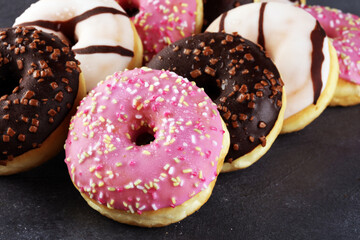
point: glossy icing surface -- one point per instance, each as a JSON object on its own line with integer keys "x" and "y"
{"x": 39, "y": 83}
{"x": 344, "y": 30}
{"x": 107, "y": 163}
{"x": 93, "y": 27}
{"x": 238, "y": 76}
{"x": 290, "y": 36}
{"x": 162, "y": 22}
{"x": 214, "y": 8}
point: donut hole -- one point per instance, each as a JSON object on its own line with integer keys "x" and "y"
{"x": 130, "y": 8}
{"x": 144, "y": 139}
{"x": 143, "y": 136}
{"x": 212, "y": 90}
{"x": 7, "y": 80}
{"x": 131, "y": 12}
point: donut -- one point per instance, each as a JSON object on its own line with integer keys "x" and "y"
{"x": 103, "y": 37}
{"x": 344, "y": 31}
{"x": 41, "y": 87}
{"x": 299, "y": 48}
{"x": 145, "y": 147}
{"x": 161, "y": 22}
{"x": 214, "y": 8}
{"x": 241, "y": 80}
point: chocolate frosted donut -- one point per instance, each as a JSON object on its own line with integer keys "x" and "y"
{"x": 241, "y": 80}
{"x": 214, "y": 8}
{"x": 40, "y": 82}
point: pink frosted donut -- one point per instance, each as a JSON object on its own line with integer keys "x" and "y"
{"x": 162, "y": 22}
{"x": 344, "y": 29}
{"x": 137, "y": 181}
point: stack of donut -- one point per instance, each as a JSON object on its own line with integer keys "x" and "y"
{"x": 146, "y": 145}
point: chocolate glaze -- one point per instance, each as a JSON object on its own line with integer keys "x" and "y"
{"x": 261, "y": 37}
{"x": 105, "y": 49}
{"x": 40, "y": 80}
{"x": 222, "y": 22}
{"x": 214, "y": 8}
{"x": 238, "y": 77}
{"x": 317, "y": 38}
{"x": 68, "y": 29}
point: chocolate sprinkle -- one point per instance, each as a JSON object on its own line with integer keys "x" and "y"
{"x": 34, "y": 68}
{"x": 248, "y": 94}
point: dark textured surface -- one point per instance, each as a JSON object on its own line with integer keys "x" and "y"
{"x": 38, "y": 95}
{"x": 306, "y": 187}
{"x": 242, "y": 90}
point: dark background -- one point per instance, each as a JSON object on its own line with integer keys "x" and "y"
{"x": 306, "y": 187}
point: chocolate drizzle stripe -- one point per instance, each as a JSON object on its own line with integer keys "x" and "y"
{"x": 317, "y": 38}
{"x": 105, "y": 49}
{"x": 68, "y": 27}
{"x": 222, "y": 22}
{"x": 261, "y": 37}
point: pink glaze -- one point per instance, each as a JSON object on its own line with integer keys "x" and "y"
{"x": 344, "y": 29}
{"x": 162, "y": 22}
{"x": 106, "y": 164}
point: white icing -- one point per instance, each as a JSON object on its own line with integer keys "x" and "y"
{"x": 287, "y": 31}
{"x": 102, "y": 29}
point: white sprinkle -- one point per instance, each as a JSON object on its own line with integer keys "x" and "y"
{"x": 154, "y": 206}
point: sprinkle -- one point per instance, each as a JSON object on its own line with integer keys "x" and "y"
{"x": 163, "y": 75}
{"x": 128, "y": 136}
{"x": 129, "y": 186}
{"x": 102, "y": 119}
{"x": 129, "y": 147}
{"x": 98, "y": 175}
{"x": 189, "y": 170}
{"x": 200, "y": 175}
{"x": 111, "y": 189}
{"x": 146, "y": 152}
{"x": 131, "y": 209}
{"x": 173, "y": 200}
{"x": 197, "y": 130}
{"x": 137, "y": 182}
{"x": 166, "y": 167}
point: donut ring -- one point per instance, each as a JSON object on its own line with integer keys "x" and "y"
{"x": 286, "y": 31}
{"x": 344, "y": 31}
{"x": 100, "y": 31}
{"x": 160, "y": 23}
{"x": 153, "y": 183}
{"x": 214, "y": 8}
{"x": 41, "y": 89}
{"x": 242, "y": 82}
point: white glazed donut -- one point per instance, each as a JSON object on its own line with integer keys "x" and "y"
{"x": 104, "y": 38}
{"x": 300, "y": 49}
